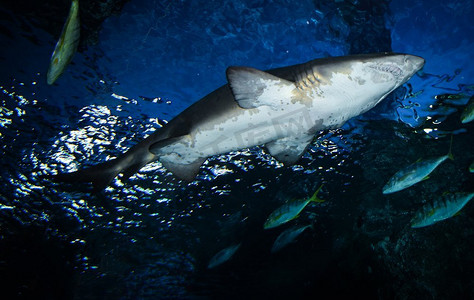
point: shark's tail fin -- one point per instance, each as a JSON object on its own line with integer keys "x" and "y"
{"x": 99, "y": 175}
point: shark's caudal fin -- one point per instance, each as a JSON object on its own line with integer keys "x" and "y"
{"x": 100, "y": 175}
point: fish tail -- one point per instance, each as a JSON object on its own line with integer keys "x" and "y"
{"x": 99, "y": 175}
{"x": 315, "y": 198}
{"x": 450, "y": 153}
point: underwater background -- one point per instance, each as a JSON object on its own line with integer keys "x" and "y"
{"x": 152, "y": 237}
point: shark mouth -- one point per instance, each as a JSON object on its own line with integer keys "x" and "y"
{"x": 388, "y": 68}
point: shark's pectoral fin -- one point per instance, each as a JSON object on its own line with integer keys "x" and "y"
{"x": 288, "y": 150}
{"x": 253, "y": 88}
{"x": 186, "y": 172}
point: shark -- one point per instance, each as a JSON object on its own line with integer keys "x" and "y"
{"x": 281, "y": 109}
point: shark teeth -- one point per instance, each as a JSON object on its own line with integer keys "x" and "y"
{"x": 389, "y": 68}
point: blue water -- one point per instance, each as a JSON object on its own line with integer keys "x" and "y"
{"x": 152, "y": 236}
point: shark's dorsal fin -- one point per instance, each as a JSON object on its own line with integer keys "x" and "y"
{"x": 253, "y": 88}
{"x": 288, "y": 150}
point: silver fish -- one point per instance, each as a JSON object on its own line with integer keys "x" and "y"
{"x": 289, "y": 210}
{"x": 414, "y": 173}
{"x": 67, "y": 44}
{"x": 468, "y": 113}
{"x": 223, "y": 256}
{"x": 448, "y": 206}
{"x": 287, "y": 237}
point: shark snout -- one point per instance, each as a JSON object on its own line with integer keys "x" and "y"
{"x": 415, "y": 61}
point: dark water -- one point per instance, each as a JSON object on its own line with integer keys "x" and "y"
{"x": 152, "y": 236}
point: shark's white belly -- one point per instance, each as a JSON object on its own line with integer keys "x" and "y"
{"x": 279, "y": 116}
{"x": 247, "y": 128}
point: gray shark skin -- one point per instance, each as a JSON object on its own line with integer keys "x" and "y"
{"x": 280, "y": 108}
